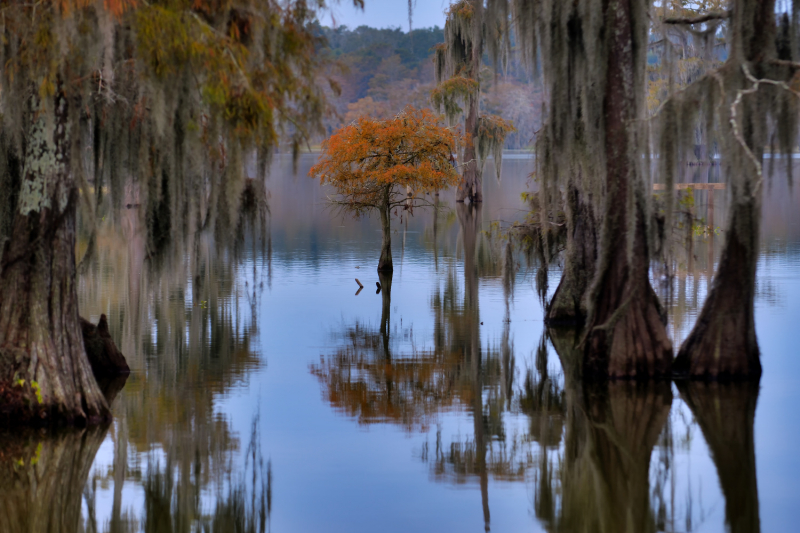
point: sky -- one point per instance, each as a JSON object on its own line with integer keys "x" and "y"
{"x": 386, "y": 14}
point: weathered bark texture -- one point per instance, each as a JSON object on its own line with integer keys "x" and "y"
{"x": 385, "y": 262}
{"x": 41, "y": 344}
{"x": 42, "y": 479}
{"x": 104, "y": 356}
{"x": 723, "y": 344}
{"x": 568, "y": 305}
{"x": 725, "y": 413}
{"x": 626, "y": 335}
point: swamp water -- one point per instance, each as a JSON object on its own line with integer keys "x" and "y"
{"x": 266, "y": 394}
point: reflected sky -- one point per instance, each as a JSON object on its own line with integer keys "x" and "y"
{"x": 443, "y": 407}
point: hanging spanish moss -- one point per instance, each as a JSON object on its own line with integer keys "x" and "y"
{"x": 109, "y": 106}
{"x": 457, "y": 64}
{"x": 592, "y": 56}
{"x": 751, "y": 105}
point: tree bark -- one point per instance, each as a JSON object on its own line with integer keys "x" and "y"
{"x": 41, "y": 343}
{"x": 385, "y": 262}
{"x": 726, "y": 413}
{"x": 723, "y": 344}
{"x": 626, "y": 336}
{"x": 568, "y": 305}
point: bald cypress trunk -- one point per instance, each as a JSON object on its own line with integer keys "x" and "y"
{"x": 568, "y": 305}
{"x": 385, "y": 262}
{"x": 470, "y": 186}
{"x": 723, "y": 342}
{"x": 626, "y": 336}
{"x": 42, "y": 357}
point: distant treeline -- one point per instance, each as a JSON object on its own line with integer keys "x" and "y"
{"x": 383, "y": 70}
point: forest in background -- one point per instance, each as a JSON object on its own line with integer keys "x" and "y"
{"x": 381, "y": 71}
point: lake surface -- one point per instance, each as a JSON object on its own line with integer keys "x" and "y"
{"x": 267, "y": 393}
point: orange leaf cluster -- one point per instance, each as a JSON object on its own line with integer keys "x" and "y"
{"x": 368, "y": 160}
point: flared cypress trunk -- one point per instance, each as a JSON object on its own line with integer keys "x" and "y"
{"x": 626, "y": 336}
{"x": 726, "y": 413}
{"x": 385, "y": 262}
{"x": 41, "y": 343}
{"x": 568, "y": 305}
{"x": 723, "y": 342}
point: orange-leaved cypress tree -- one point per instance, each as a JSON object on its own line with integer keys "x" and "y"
{"x": 376, "y": 164}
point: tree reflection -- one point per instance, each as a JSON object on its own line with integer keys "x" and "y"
{"x": 611, "y": 430}
{"x": 725, "y": 413}
{"x": 186, "y": 328}
{"x": 42, "y": 478}
{"x": 378, "y": 375}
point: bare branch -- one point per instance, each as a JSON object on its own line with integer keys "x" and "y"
{"x": 714, "y": 15}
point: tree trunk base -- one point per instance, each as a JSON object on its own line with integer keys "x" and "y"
{"x": 723, "y": 343}
{"x": 563, "y": 310}
{"x": 631, "y": 345}
{"x": 106, "y": 360}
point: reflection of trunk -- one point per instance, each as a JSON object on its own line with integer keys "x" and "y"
{"x": 42, "y": 479}
{"x": 40, "y": 336}
{"x": 723, "y": 341}
{"x": 626, "y": 336}
{"x": 386, "y": 301}
{"x": 469, "y": 220}
{"x": 385, "y": 263}
{"x": 568, "y": 306}
{"x": 612, "y": 428}
{"x": 725, "y": 413}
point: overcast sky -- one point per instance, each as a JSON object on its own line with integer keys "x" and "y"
{"x": 386, "y": 14}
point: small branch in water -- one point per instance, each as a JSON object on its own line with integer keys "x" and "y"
{"x": 359, "y": 283}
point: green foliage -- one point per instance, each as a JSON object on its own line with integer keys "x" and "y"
{"x": 449, "y": 95}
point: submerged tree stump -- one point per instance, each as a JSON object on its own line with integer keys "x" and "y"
{"x": 104, "y": 356}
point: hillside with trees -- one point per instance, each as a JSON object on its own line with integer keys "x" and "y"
{"x": 381, "y": 71}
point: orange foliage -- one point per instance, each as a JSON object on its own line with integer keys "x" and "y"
{"x": 367, "y": 159}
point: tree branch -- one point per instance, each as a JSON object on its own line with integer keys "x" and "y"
{"x": 714, "y": 15}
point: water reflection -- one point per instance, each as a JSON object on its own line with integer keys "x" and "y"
{"x": 42, "y": 478}
{"x": 611, "y": 430}
{"x": 185, "y": 320}
{"x": 725, "y": 413}
{"x": 448, "y": 366}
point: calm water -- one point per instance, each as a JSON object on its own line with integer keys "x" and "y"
{"x": 265, "y": 390}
